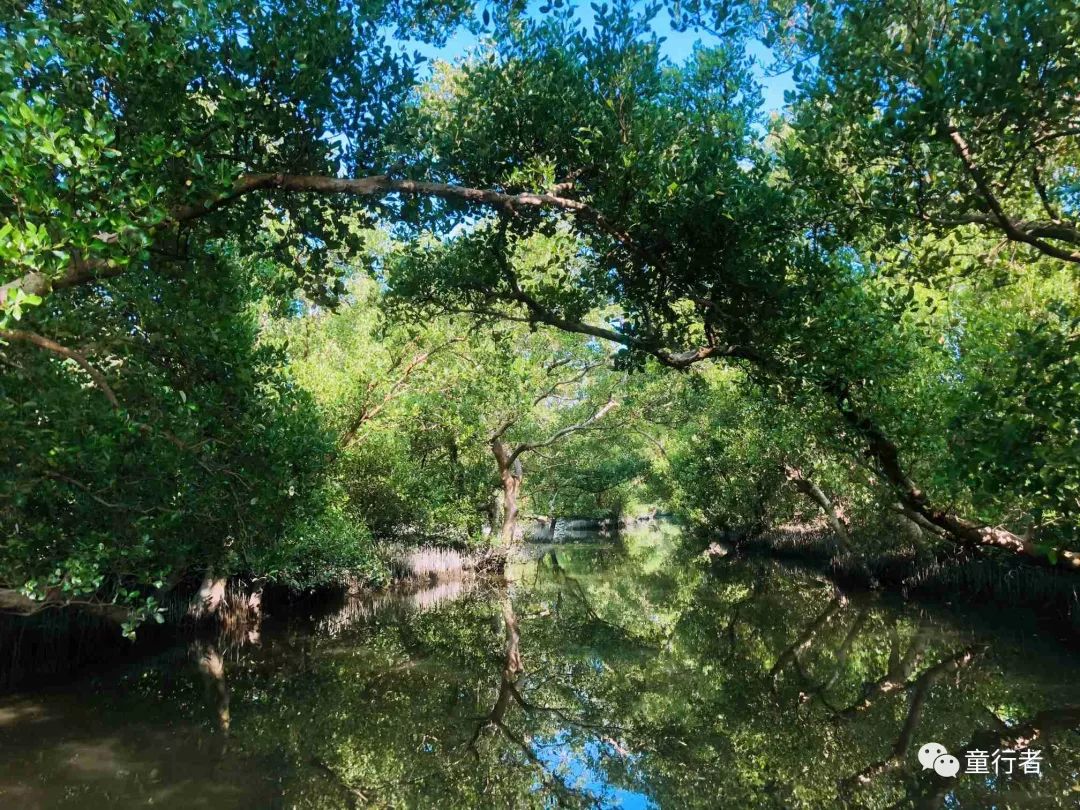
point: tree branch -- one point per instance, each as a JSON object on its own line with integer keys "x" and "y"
{"x": 815, "y": 493}
{"x": 680, "y": 360}
{"x": 366, "y": 414}
{"x": 54, "y": 347}
{"x": 1007, "y": 225}
{"x": 1045, "y": 228}
{"x": 920, "y": 691}
{"x": 87, "y": 271}
{"x": 599, "y": 414}
{"x": 804, "y": 640}
{"x": 881, "y": 450}
{"x": 556, "y": 386}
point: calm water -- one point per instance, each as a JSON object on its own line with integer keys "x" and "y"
{"x": 624, "y": 675}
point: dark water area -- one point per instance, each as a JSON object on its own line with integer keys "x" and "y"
{"x": 606, "y": 674}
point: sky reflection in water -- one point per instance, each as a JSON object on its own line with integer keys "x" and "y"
{"x": 630, "y": 674}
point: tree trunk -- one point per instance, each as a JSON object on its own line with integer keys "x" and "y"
{"x": 212, "y": 670}
{"x": 512, "y": 665}
{"x": 510, "y": 474}
{"x": 511, "y": 487}
{"x": 914, "y": 501}
{"x": 553, "y": 519}
{"x": 210, "y": 600}
{"x": 812, "y": 491}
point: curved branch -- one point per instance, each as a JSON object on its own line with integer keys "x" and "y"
{"x": 566, "y": 431}
{"x": 673, "y": 359}
{"x": 52, "y": 346}
{"x": 16, "y": 603}
{"x": 366, "y": 414}
{"x": 913, "y": 501}
{"x": 804, "y": 640}
{"x": 560, "y": 383}
{"x": 815, "y": 493}
{"x": 87, "y": 271}
{"x": 920, "y": 690}
{"x": 1009, "y": 226}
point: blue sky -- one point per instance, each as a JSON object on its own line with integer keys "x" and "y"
{"x": 676, "y": 47}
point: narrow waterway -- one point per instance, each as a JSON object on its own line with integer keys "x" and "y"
{"x": 609, "y": 673}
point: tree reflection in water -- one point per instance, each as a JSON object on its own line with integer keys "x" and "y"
{"x": 635, "y": 676}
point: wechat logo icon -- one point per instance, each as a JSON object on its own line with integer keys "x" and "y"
{"x": 934, "y": 756}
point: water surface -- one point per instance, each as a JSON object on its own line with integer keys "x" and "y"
{"x": 611, "y": 674}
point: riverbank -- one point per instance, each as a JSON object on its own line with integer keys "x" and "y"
{"x": 54, "y": 642}
{"x": 1052, "y": 595}
{"x": 53, "y": 645}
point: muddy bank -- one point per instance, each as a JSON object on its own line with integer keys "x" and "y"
{"x": 56, "y": 642}
{"x": 1053, "y": 596}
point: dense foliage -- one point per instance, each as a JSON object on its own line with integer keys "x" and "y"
{"x": 273, "y": 288}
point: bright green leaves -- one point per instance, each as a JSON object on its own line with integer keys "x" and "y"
{"x": 664, "y": 152}
{"x": 12, "y": 303}
{"x": 851, "y": 249}
{"x": 114, "y": 121}
{"x": 894, "y": 98}
{"x": 1017, "y": 427}
{"x": 194, "y": 472}
{"x": 68, "y": 196}
{"x": 416, "y": 402}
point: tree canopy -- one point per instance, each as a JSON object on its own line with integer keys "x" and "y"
{"x": 274, "y": 285}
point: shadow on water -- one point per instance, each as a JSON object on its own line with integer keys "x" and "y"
{"x": 601, "y": 675}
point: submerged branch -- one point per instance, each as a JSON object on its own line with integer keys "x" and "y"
{"x": 791, "y": 654}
